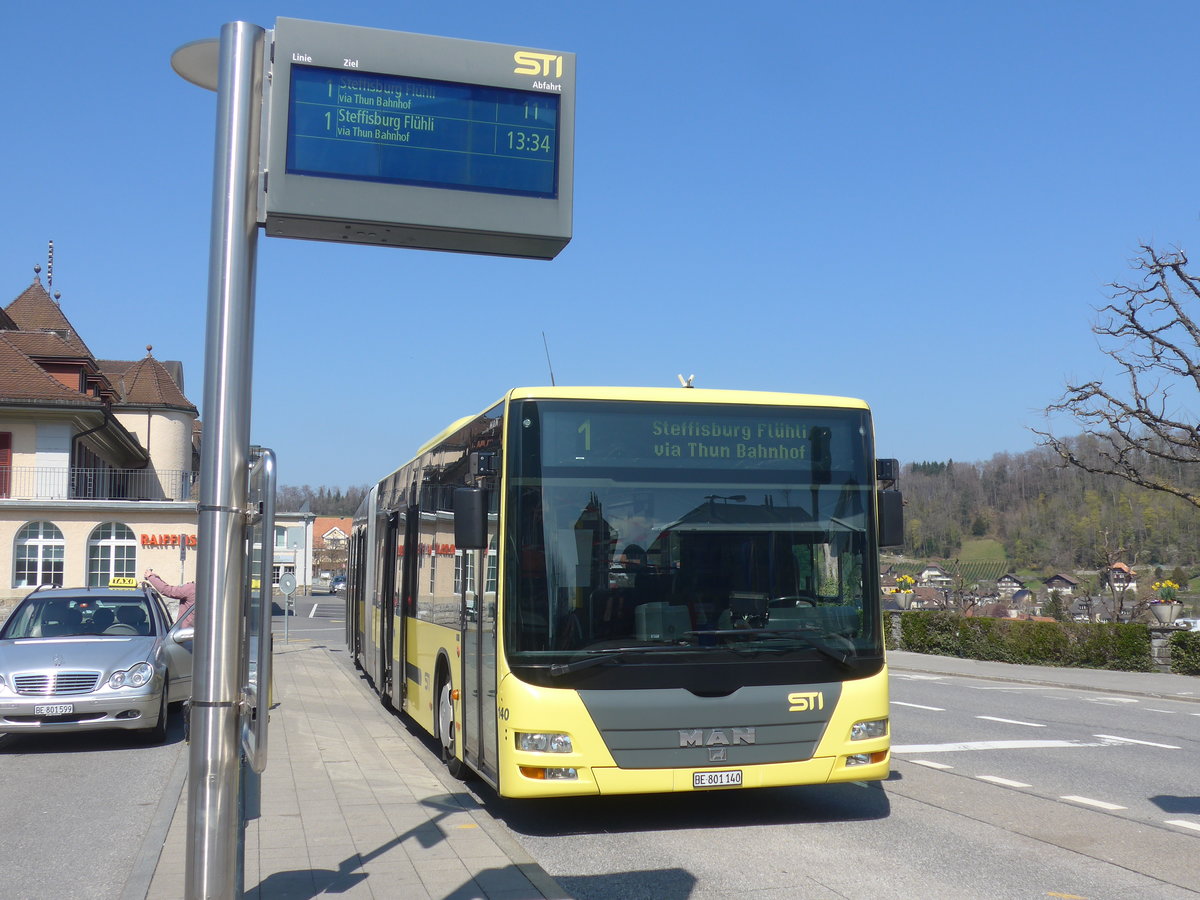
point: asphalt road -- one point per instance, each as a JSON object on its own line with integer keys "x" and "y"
{"x": 998, "y": 791}
{"x": 76, "y": 809}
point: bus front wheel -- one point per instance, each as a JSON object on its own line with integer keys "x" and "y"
{"x": 446, "y": 733}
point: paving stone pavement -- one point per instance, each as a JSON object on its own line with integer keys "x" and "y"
{"x": 350, "y": 807}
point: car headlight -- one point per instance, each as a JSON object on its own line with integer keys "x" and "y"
{"x": 135, "y": 676}
{"x": 544, "y": 743}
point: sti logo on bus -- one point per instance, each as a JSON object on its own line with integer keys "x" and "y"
{"x": 530, "y": 63}
{"x": 725, "y": 736}
{"x": 806, "y": 700}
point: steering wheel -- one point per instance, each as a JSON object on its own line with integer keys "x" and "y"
{"x": 120, "y": 628}
{"x": 791, "y": 600}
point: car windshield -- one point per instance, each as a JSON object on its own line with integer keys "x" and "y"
{"x": 58, "y": 616}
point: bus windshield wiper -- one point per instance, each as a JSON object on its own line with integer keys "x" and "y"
{"x": 611, "y": 654}
{"x": 843, "y": 657}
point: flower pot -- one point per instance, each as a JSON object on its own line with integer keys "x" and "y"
{"x": 1166, "y": 613}
{"x": 904, "y": 598}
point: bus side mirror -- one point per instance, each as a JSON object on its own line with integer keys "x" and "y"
{"x": 470, "y": 518}
{"x": 891, "y": 518}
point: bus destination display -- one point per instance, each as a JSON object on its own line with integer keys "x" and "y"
{"x": 414, "y": 131}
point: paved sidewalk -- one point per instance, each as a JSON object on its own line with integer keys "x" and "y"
{"x": 1140, "y": 684}
{"x": 351, "y": 808}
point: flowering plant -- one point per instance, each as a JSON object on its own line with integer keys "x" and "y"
{"x": 1165, "y": 590}
{"x": 904, "y": 584}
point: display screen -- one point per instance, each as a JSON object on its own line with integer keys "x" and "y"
{"x": 812, "y": 444}
{"x": 370, "y": 127}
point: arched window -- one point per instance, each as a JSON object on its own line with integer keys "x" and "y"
{"x": 112, "y": 553}
{"x": 38, "y": 554}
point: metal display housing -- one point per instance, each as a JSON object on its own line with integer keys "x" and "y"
{"x": 405, "y": 215}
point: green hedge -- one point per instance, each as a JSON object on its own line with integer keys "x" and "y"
{"x": 1185, "y": 653}
{"x": 1078, "y": 645}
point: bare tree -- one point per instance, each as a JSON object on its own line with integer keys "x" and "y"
{"x": 1141, "y": 431}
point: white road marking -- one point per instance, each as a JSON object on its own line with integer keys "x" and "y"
{"x": 1125, "y": 740}
{"x": 1112, "y": 700}
{"x": 314, "y": 610}
{"x": 1169, "y": 712}
{"x": 1011, "y": 721}
{"x": 931, "y": 764}
{"x": 1011, "y": 687}
{"x": 912, "y": 676}
{"x": 996, "y": 779}
{"x": 918, "y": 706}
{"x": 988, "y": 745}
{"x": 1183, "y": 823}
{"x": 1087, "y": 801}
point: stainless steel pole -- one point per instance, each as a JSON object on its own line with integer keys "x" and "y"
{"x": 214, "y": 761}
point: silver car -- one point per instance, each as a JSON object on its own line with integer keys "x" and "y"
{"x": 76, "y": 659}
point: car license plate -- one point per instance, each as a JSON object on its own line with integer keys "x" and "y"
{"x": 731, "y": 778}
{"x": 54, "y": 709}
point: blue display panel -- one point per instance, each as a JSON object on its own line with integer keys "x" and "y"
{"x": 370, "y": 127}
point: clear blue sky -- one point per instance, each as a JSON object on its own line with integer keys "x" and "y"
{"x": 918, "y": 204}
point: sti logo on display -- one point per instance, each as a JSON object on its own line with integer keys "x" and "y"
{"x": 530, "y": 63}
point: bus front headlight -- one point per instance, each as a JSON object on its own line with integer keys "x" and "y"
{"x": 872, "y": 728}
{"x": 544, "y": 742}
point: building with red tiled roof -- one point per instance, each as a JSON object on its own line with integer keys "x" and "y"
{"x": 98, "y": 458}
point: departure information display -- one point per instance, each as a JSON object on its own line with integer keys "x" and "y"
{"x": 414, "y": 131}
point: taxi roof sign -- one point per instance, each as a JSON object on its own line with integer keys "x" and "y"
{"x": 122, "y": 582}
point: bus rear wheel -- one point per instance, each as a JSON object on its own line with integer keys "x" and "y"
{"x": 446, "y": 732}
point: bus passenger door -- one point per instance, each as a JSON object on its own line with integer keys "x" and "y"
{"x": 487, "y": 616}
{"x": 478, "y": 609}
{"x": 472, "y": 647}
{"x": 353, "y": 595}
{"x": 387, "y": 607}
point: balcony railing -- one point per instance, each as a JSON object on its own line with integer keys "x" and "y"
{"x": 61, "y": 483}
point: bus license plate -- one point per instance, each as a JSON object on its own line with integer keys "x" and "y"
{"x": 55, "y": 709}
{"x": 732, "y": 778}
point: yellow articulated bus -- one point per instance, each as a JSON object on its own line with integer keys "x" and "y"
{"x": 631, "y": 590}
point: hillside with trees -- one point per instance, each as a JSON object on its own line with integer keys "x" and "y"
{"x": 1049, "y": 515}
{"x": 322, "y": 501}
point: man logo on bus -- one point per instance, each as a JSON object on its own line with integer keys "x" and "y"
{"x": 803, "y": 701}
{"x": 530, "y": 63}
{"x": 697, "y": 737}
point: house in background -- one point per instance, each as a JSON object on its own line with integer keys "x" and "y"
{"x": 935, "y": 575}
{"x": 331, "y": 544}
{"x": 1119, "y": 577}
{"x": 1007, "y": 585}
{"x": 1065, "y": 585}
{"x": 98, "y": 457}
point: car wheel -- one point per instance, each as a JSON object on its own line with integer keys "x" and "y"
{"x": 157, "y": 734}
{"x": 446, "y": 735}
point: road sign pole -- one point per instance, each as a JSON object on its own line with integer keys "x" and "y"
{"x": 213, "y": 783}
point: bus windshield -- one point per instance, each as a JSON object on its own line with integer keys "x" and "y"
{"x": 674, "y": 534}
